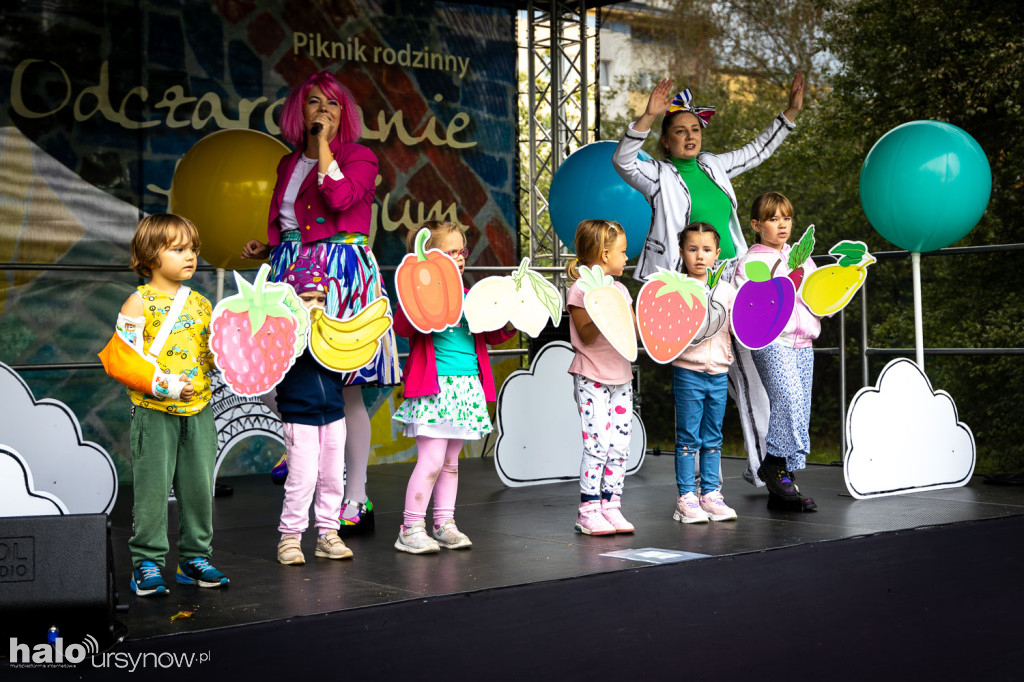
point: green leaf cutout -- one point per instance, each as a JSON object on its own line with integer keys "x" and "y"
{"x": 688, "y": 288}
{"x": 547, "y": 293}
{"x": 850, "y": 253}
{"x": 803, "y": 249}
{"x": 593, "y": 277}
{"x": 257, "y": 300}
{"x": 715, "y": 276}
{"x": 757, "y": 271}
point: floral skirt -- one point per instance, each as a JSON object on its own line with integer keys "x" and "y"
{"x": 458, "y": 411}
{"x": 347, "y": 259}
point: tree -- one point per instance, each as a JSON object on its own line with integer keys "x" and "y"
{"x": 962, "y": 63}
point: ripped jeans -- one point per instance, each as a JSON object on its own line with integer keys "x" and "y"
{"x": 700, "y": 408}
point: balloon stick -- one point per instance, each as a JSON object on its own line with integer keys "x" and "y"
{"x": 220, "y": 285}
{"x": 915, "y": 264}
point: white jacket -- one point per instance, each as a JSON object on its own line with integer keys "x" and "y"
{"x": 660, "y": 183}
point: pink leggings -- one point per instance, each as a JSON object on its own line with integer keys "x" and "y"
{"x": 437, "y": 471}
{"x": 316, "y": 464}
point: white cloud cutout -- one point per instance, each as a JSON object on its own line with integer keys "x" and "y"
{"x": 18, "y": 496}
{"x": 903, "y": 437}
{"x": 539, "y": 434}
{"x": 48, "y": 438}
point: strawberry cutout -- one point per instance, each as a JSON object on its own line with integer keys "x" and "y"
{"x": 763, "y": 306}
{"x": 670, "y": 310}
{"x": 254, "y": 335}
{"x": 609, "y": 310}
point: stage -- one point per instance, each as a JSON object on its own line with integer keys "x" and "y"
{"x": 926, "y": 583}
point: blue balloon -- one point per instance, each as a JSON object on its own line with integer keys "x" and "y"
{"x": 586, "y": 187}
{"x": 925, "y": 185}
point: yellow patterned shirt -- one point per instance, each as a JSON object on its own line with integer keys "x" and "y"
{"x": 187, "y": 351}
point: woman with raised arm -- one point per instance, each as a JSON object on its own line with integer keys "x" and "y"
{"x": 689, "y": 185}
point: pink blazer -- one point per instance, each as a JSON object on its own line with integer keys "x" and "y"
{"x": 337, "y": 205}
{"x": 420, "y": 371}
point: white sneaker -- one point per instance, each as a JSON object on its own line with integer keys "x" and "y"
{"x": 688, "y": 510}
{"x": 330, "y": 546}
{"x": 289, "y": 551}
{"x": 717, "y": 510}
{"x": 415, "y": 540}
{"x": 450, "y": 537}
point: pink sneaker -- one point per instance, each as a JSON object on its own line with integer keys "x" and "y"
{"x": 717, "y": 510}
{"x": 688, "y": 510}
{"x": 590, "y": 520}
{"x": 610, "y": 511}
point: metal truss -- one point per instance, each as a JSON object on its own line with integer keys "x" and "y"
{"x": 556, "y": 91}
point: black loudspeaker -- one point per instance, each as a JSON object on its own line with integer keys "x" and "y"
{"x": 57, "y": 572}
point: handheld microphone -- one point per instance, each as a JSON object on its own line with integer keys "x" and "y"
{"x": 315, "y": 129}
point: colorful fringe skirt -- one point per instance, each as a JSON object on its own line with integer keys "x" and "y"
{"x": 347, "y": 258}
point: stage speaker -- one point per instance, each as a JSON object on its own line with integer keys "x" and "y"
{"x": 57, "y": 572}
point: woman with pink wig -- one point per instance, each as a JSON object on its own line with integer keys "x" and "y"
{"x": 321, "y": 212}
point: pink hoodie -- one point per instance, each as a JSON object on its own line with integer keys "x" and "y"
{"x": 714, "y": 355}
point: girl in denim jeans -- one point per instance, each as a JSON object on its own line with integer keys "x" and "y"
{"x": 700, "y": 383}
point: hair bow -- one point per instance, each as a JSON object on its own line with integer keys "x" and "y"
{"x": 682, "y": 102}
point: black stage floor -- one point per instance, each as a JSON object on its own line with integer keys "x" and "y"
{"x": 521, "y": 536}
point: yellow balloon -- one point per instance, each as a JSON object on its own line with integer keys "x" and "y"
{"x": 224, "y": 185}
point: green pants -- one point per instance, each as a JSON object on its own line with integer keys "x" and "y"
{"x": 170, "y": 449}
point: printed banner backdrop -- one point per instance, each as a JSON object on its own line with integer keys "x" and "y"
{"x": 101, "y": 100}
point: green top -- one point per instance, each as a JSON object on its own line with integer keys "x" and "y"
{"x": 455, "y": 351}
{"x": 709, "y": 204}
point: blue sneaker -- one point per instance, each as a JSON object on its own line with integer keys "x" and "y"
{"x": 147, "y": 581}
{"x": 199, "y": 571}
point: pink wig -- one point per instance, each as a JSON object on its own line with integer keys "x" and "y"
{"x": 293, "y": 126}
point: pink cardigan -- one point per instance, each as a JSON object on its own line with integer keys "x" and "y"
{"x": 337, "y": 205}
{"x": 420, "y": 371}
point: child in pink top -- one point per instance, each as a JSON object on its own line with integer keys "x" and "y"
{"x": 604, "y": 389}
{"x": 700, "y": 384}
{"x": 786, "y": 367}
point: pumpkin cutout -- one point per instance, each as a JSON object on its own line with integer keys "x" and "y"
{"x": 429, "y": 288}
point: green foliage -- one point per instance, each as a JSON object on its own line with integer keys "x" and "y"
{"x": 872, "y": 65}
{"x": 962, "y": 63}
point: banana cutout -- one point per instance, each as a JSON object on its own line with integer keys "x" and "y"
{"x": 351, "y": 343}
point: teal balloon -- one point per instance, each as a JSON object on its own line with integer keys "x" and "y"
{"x": 925, "y": 185}
{"x": 586, "y": 187}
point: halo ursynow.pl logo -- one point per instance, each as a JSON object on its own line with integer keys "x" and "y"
{"x": 55, "y": 654}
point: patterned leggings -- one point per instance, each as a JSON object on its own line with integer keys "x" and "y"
{"x": 606, "y": 412}
{"x": 787, "y": 375}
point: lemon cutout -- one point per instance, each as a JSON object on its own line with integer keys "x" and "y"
{"x": 827, "y": 290}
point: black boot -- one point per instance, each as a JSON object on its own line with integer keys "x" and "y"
{"x": 774, "y": 474}
{"x": 800, "y": 503}
{"x": 806, "y": 503}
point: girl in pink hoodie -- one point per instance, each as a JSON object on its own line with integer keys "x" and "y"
{"x": 448, "y": 383}
{"x": 786, "y": 367}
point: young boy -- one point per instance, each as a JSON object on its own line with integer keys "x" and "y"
{"x": 173, "y": 438}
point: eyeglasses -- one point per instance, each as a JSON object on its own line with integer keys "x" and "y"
{"x": 455, "y": 253}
